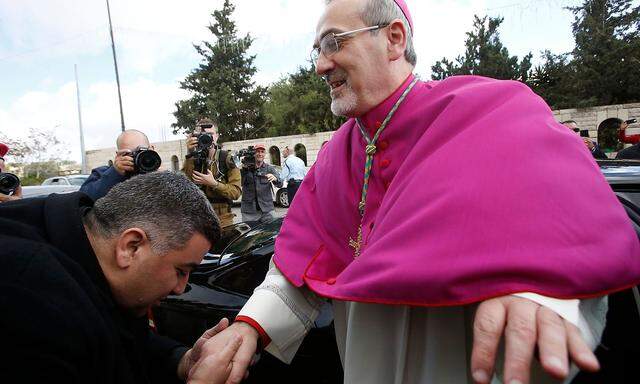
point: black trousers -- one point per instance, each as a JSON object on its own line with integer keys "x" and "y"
{"x": 292, "y": 188}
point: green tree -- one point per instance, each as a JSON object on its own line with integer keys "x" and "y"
{"x": 221, "y": 87}
{"x": 555, "y": 80}
{"x": 607, "y": 52}
{"x": 300, "y": 103}
{"x": 485, "y": 55}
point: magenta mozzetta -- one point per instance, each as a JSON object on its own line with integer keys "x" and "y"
{"x": 475, "y": 192}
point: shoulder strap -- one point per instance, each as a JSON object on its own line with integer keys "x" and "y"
{"x": 222, "y": 162}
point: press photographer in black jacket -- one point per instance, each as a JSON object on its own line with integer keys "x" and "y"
{"x": 257, "y": 180}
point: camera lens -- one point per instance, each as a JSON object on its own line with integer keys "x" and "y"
{"x": 8, "y": 183}
{"x": 205, "y": 140}
{"x": 147, "y": 161}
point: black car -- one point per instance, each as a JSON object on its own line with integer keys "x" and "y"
{"x": 221, "y": 285}
{"x": 219, "y": 288}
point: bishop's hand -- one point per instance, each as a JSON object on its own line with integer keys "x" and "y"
{"x": 525, "y": 325}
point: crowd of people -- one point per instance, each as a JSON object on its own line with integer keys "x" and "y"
{"x": 433, "y": 271}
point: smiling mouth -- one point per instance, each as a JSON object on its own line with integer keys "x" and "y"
{"x": 336, "y": 84}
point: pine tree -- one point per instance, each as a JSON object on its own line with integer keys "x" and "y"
{"x": 555, "y": 80}
{"x": 607, "y": 52}
{"x": 221, "y": 87}
{"x": 485, "y": 55}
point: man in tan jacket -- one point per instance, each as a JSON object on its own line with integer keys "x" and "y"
{"x": 217, "y": 176}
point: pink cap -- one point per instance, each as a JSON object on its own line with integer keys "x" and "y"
{"x": 405, "y": 10}
{"x": 3, "y": 149}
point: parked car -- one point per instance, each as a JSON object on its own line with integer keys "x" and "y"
{"x": 219, "y": 288}
{"x": 619, "y": 349}
{"x": 221, "y": 285}
{"x": 44, "y": 190}
{"x": 77, "y": 180}
{"x": 57, "y": 184}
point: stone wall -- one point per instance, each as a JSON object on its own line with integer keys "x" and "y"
{"x": 591, "y": 118}
{"x": 173, "y": 152}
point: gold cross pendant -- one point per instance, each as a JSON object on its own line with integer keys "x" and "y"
{"x": 356, "y": 244}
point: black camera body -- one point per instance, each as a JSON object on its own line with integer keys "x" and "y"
{"x": 248, "y": 158}
{"x": 201, "y": 153}
{"x": 9, "y": 183}
{"x": 145, "y": 160}
{"x": 631, "y": 121}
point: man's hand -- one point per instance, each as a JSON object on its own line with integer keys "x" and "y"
{"x": 271, "y": 178}
{"x": 192, "y": 143}
{"x": 192, "y": 356}
{"x": 123, "y": 162}
{"x": 216, "y": 368}
{"x": 588, "y": 143}
{"x": 16, "y": 195}
{"x": 243, "y": 356}
{"x": 525, "y": 324}
{"x": 204, "y": 179}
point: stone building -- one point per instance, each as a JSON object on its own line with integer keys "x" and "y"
{"x": 173, "y": 153}
{"x": 600, "y": 121}
{"x": 595, "y": 119}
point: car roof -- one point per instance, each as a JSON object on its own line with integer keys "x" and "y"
{"x": 621, "y": 171}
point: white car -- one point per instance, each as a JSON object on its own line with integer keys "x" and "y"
{"x": 66, "y": 180}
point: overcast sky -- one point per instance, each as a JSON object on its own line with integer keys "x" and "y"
{"x": 41, "y": 40}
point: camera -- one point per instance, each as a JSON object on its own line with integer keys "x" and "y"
{"x": 247, "y": 157}
{"x": 145, "y": 160}
{"x": 201, "y": 153}
{"x": 8, "y": 183}
{"x": 631, "y": 121}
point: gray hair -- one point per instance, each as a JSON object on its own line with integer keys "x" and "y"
{"x": 381, "y": 12}
{"x": 166, "y": 205}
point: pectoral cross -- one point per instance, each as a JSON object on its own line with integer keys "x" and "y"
{"x": 357, "y": 243}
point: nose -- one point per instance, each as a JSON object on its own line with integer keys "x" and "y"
{"x": 180, "y": 287}
{"x": 324, "y": 65}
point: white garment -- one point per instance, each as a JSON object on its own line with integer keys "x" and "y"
{"x": 382, "y": 344}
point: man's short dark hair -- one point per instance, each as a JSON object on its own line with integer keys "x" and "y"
{"x": 166, "y": 205}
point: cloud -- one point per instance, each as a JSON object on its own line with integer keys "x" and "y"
{"x": 153, "y": 36}
{"x": 148, "y": 107}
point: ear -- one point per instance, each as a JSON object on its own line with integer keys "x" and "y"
{"x": 129, "y": 246}
{"x": 397, "y": 39}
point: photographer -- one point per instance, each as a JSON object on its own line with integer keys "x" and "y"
{"x": 622, "y": 132}
{"x": 12, "y": 190}
{"x": 591, "y": 146}
{"x": 213, "y": 170}
{"x": 632, "y": 152}
{"x": 134, "y": 155}
{"x": 257, "y": 200}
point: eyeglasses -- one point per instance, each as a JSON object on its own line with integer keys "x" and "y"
{"x": 330, "y": 43}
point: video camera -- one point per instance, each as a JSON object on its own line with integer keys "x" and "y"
{"x": 9, "y": 183}
{"x": 247, "y": 157}
{"x": 145, "y": 160}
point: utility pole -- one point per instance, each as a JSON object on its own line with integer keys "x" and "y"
{"x": 115, "y": 64}
{"x": 84, "y": 155}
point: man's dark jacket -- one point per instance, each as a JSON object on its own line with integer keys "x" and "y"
{"x": 630, "y": 153}
{"x": 59, "y": 320}
{"x": 101, "y": 180}
{"x": 256, "y": 189}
